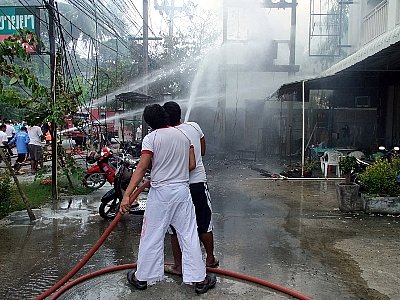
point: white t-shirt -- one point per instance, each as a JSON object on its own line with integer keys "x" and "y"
{"x": 35, "y": 132}
{"x": 170, "y": 149}
{"x": 138, "y": 133}
{"x": 194, "y": 132}
{"x": 10, "y": 130}
{"x": 3, "y": 138}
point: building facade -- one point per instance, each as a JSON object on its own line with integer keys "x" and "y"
{"x": 354, "y": 103}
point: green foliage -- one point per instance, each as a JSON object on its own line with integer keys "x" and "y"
{"x": 5, "y": 192}
{"x": 40, "y": 174}
{"x": 347, "y": 164}
{"x": 16, "y": 65}
{"x": 379, "y": 179}
{"x": 310, "y": 165}
{"x": 37, "y": 194}
{"x": 16, "y": 76}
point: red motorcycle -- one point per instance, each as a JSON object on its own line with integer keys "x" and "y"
{"x": 104, "y": 170}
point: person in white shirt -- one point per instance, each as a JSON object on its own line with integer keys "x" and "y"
{"x": 35, "y": 146}
{"x": 169, "y": 202}
{"x": 198, "y": 189}
{"x": 3, "y": 139}
{"x": 138, "y": 136}
{"x": 3, "y": 136}
{"x": 10, "y": 131}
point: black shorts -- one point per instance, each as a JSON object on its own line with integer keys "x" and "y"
{"x": 21, "y": 157}
{"x": 202, "y": 206}
{"x": 35, "y": 152}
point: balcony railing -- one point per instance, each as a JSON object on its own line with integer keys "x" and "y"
{"x": 398, "y": 15}
{"x": 375, "y": 23}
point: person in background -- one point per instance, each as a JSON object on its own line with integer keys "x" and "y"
{"x": 3, "y": 140}
{"x": 3, "y": 137}
{"x": 10, "y": 131}
{"x": 35, "y": 147}
{"x": 17, "y": 126}
{"x": 48, "y": 137}
{"x": 198, "y": 190}
{"x": 169, "y": 202}
{"x": 138, "y": 135}
{"x": 21, "y": 140}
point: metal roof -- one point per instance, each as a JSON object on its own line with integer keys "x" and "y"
{"x": 382, "y": 55}
{"x": 133, "y": 96}
{"x": 376, "y": 55}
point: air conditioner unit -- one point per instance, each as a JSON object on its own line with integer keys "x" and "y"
{"x": 362, "y": 101}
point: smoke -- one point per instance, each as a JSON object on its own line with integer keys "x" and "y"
{"x": 236, "y": 78}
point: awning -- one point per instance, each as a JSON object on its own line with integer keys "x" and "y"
{"x": 380, "y": 45}
{"x": 380, "y": 55}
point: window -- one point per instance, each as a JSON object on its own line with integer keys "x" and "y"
{"x": 362, "y": 101}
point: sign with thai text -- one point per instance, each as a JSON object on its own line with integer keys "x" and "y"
{"x": 14, "y": 18}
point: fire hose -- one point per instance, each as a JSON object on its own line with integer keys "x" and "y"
{"x": 60, "y": 287}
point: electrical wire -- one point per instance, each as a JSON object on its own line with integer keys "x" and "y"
{"x": 66, "y": 66}
{"x": 72, "y": 24}
{"x": 135, "y": 8}
{"x": 83, "y": 9}
{"x": 71, "y": 63}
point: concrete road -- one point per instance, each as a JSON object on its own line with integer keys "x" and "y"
{"x": 286, "y": 232}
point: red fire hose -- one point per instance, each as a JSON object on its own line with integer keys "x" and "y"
{"x": 61, "y": 289}
{"x": 96, "y": 246}
{"x": 248, "y": 278}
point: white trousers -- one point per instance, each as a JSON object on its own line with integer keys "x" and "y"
{"x": 169, "y": 205}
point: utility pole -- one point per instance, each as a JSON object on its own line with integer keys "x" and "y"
{"x": 171, "y": 19}
{"x": 145, "y": 127}
{"x": 292, "y": 43}
{"x": 170, "y": 8}
{"x": 221, "y": 106}
{"x": 54, "y": 186}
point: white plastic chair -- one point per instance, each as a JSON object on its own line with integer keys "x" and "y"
{"x": 330, "y": 158}
{"x": 357, "y": 154}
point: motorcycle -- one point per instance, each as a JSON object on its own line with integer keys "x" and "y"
{"x": 102, "y": 171}
{"x": 389, "y": 153}
{"x": 110, "y": 202}
{"x": 133, "y": 149}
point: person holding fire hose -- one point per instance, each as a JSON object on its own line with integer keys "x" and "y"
{"x": 169, "y": 202}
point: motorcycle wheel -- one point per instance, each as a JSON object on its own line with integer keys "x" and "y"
{"x": 108, "y": 210}
{"x": 94, "y": 180}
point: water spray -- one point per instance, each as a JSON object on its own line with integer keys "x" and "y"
{"x": 146, "y": 80}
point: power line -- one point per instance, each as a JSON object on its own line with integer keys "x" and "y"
{"x": 77, "y": 6}
{"x": 128, "y": 16}
{"x": 72, "y": 24}
{"x": 135, "y": 8}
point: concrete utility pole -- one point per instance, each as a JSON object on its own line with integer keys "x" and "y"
{"x": 171, "y": 19}
{"x": 170, "y": 9}
{"x": 221, "y": 106}
{"x": 292, "y": 43}
{"x": 145, "y": 127}
{"x": 54, "y": 190}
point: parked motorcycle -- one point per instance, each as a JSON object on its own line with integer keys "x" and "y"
{"x": 110, "y": 202}
{"x": 389, "y": 153}
{"x": 133, "y": 149}
{"x": 102, "y": 171}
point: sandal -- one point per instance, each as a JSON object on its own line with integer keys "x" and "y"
{"x": 170, "y": 270}
{"x": 214, "y": 264}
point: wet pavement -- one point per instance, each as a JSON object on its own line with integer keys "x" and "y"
{"x": 286, "y": 232}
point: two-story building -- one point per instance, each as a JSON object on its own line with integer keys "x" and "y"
{"x": 355, "y": 102}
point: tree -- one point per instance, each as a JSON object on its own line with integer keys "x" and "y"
{"x": 22, "y": 88}
{"x": 194, "y": 37}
